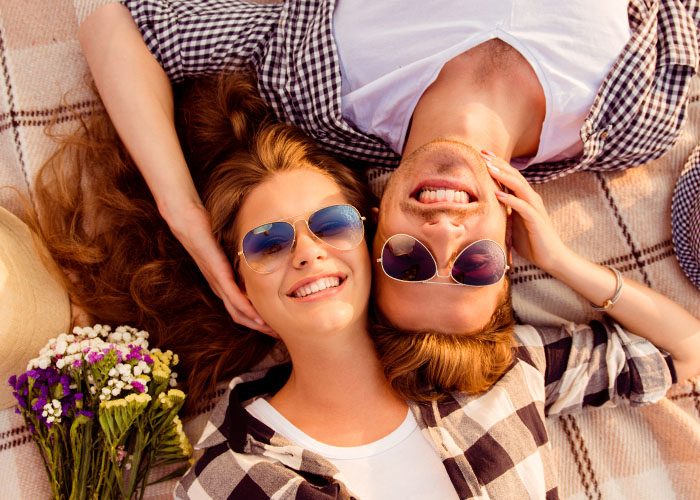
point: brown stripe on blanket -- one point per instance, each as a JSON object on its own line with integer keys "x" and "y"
{"x": 11, "y": 105}
{"x": 48, "y": 116}
{"x": 691, "y": 393}
{"x": 636, "y": 260}
{"x": 581, "y": 456}
{"x": 621, "y": 223}
{"x": 15, "y": 443}
{"x": 13, "y": 431}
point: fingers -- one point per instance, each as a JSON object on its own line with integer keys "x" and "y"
{"x": 242, "y": 311}
{"x": 522, "y": 207}
{"x": 512, "y": 179}
{"x": 196, "y": 236}
{"x": 219, "y": 274}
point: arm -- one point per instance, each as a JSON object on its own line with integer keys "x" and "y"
{"x": 640, "y": 310}
{"x": 141, "y": 108}
{"x": 598, "y": 364}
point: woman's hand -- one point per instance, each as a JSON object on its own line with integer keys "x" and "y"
{"x": 534, "y": 237}
{"x": 192, "y": 227}
{"x": 639, "y": 309}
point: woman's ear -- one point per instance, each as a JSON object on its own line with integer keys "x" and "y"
{"x": 375, "y": 214}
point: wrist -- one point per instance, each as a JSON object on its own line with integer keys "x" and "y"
{"x": 559, "y": 261}
{"x": 174, "y": 209}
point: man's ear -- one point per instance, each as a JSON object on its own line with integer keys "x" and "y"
{"x": 375, "y": 215}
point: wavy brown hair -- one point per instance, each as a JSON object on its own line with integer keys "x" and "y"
{"x": 101, "y": 223}
{"x": 423, "y": 366}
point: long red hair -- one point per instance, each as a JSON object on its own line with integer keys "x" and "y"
{"x": 101, "y": 224}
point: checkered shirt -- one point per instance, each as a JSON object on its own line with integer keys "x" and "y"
{"x": 494, "y": 445}
{"x": 635, "y": 117}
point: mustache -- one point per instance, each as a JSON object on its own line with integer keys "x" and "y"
{"x": 428, "y": 213}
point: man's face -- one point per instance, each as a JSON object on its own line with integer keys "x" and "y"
{"x": 425, "y": 198}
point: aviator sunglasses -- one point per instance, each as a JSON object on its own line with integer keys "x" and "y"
{"x": 481, "y": 263}
{"x": 265, "y": 247}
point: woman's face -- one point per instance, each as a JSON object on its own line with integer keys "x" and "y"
{"x": 277, "y": 296}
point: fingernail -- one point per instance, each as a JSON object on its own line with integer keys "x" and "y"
{"x": 487, "y": 153}
{"x": 259, "y": 321}
{"x": 492, "y": 166}
{"x": 501, "y": 194}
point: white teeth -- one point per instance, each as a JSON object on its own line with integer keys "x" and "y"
{"x": 317, "y": 286}
{"x": 432, "y": 195}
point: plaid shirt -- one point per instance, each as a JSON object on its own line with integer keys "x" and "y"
{"x": 493, "y": 445}
{"x": 636, "y": 115}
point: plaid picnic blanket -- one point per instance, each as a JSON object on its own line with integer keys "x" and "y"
{"x": 621, "y": 219}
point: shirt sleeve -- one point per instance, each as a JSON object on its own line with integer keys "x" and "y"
{"x": 596, "y": 364}
{"x": 196, "y": 37}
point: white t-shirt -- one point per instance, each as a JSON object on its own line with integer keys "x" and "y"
{"x": 391, "y": 51}
{"x": 402, "y": 465}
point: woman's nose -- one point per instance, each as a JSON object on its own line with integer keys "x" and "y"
{"x": 307, "y": 247}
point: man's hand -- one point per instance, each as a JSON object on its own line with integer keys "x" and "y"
{"x": 534, "y": 237}
{"x": 192, "y": 227}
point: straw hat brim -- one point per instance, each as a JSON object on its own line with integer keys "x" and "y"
{"x": 34, "y": 303}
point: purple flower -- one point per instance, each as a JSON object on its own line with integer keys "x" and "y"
{"x": 95, "y": 357}
{"x": 138, "y": 386}
{"x": 77, "y": 363}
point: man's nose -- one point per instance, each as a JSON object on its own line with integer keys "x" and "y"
{"x": 307, "y": 247}
{"x": 444, "y": 236}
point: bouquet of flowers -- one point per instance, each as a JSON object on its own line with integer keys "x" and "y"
{"x": 102, "y": 408}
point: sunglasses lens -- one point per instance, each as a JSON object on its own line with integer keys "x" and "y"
{"x": 264, "y": 246}
{"x": 480, "y": 264}
{"x": 406, "y": 259}
{"x": 340, "y": 226}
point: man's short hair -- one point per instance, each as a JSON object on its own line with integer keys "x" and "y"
{"x": 423, "y": 366}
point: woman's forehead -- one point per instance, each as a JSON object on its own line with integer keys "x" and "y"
{"x": 289, "y": 194}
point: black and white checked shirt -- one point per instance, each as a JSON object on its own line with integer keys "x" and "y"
{"x": 636, "y": 115}
{"x": 494, "y": 445}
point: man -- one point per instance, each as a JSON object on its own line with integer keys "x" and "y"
{"x": 500, "y": 92}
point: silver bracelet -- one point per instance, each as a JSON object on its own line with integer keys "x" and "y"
{"x": 616, "y": 296}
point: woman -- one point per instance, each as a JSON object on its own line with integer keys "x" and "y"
{"x": 328, "y": 424}
{"x": 289, "y": 216}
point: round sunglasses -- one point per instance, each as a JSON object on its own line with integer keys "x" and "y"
{"x": 265, "y": 247}
{"x": 481, "y": 263}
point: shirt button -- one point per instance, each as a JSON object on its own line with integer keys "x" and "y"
{"x": 604, "y": 135}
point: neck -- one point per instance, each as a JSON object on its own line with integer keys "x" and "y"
{"x": 337, "y": 392}
{"x": 492, "y": 102}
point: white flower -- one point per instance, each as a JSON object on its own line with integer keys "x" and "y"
{"x": 60, "y": 363}
{"x": 44, "y": 363}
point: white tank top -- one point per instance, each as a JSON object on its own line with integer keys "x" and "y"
{"x": 402, "y": 465}
{"x": 392, "y": 50}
